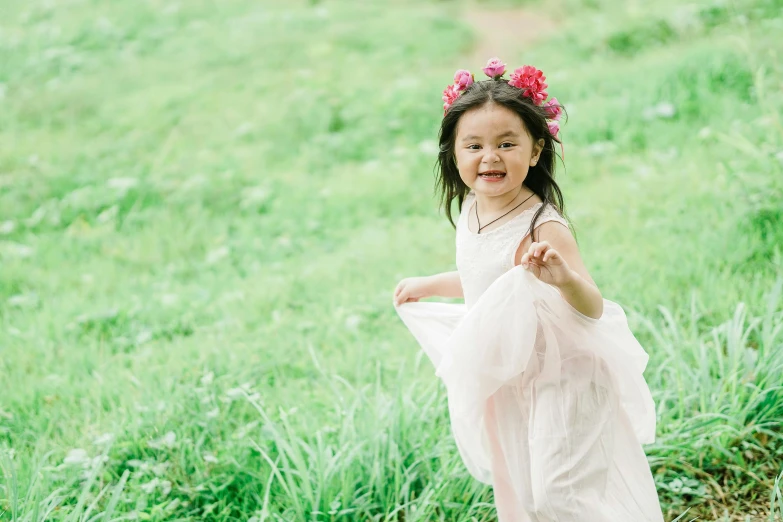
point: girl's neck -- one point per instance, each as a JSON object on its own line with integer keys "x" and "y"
{"x": 494, "y": 204}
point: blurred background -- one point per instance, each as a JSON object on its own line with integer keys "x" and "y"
{"x": 205, "y": 206}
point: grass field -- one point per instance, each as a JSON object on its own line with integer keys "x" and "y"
{"x": 205, "y": 206}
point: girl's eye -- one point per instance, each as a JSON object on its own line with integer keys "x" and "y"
{"x": 476, "y": 146}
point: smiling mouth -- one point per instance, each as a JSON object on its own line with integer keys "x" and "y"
{"x": 492, "y": 174}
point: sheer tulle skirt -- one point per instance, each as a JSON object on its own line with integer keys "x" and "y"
{"x": 547, "y": 405}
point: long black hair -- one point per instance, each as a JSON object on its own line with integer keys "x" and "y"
{"x": 540, "y": 178}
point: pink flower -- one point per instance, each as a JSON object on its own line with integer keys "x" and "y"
{"x": 538, "y": 97}
{"x": 463, "y": 79}
{"x": 553, "y": 109}
{"x": 554, "y": 128}
{"x": 532, "y": 83}
{"x": 495, "y": 68}
{"x": 450, "y": 95}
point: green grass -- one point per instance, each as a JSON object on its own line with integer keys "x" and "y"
{"x": 205, "y": 206}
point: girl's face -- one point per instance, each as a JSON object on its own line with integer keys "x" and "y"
{"x": 494, "y": 150}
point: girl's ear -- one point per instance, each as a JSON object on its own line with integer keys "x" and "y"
{"x": 538, "y": 147}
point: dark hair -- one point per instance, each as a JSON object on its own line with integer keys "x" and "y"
{"x": 540, "y": 178}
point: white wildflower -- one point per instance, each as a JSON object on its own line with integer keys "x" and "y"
{"x": 13, "y": 249}
{"x": 6, "y": 227}
{"x": 601, "y": 148}
{"x": 243, "y": 130}
{"x": 663, "y": 110}
{"x": 77, "y": 457}
{"x": 150, "y": 486}
{"x": 159, "y": 469}
{"x": 144, "y": 336}
{"x": 236, "y": 295}
{"x": 122, "y": 184}
{"x": 208, "y": 457}
{"x": 108, "y": 215}
{"x": 428, "y": 147}
{"x": 168, "y": 299}
{"x": 352, "y": 322}
{"x": 167, "y": 441}
{"x": 254, "y": 197}
{"x": 235, "y": 393}
{"x": 165, "y": 487}
{"x": 242, "y": 432}
{"x": 217, "y": 254}
{"x": 207, "y": 379}
{"x": 96, "y": 462}
{"x": 141, "y": 465}
{"x": 23, "y": 300}
{"x": 104, "y": 439}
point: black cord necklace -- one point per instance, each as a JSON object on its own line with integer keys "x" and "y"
{"x": 504, "y": 215}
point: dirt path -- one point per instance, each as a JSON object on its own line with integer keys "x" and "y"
{"x": 503, "y": 33}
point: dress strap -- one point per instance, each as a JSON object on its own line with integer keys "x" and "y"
{"x": 466, "y": 204}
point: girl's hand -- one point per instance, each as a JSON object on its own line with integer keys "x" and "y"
{"x": 411, "y": 289}
{"x": 547, "y": 264}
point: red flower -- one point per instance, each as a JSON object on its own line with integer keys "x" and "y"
{"x": 532, "y": 83}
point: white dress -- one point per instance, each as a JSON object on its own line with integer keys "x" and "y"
{"x": 547, "y": 405}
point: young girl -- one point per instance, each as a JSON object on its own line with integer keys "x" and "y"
{"x": 544, "y": 378}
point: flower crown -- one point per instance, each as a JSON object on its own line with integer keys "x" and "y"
{"x": 527, "y": 78}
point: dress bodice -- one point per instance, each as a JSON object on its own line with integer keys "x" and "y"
{"x": 482, "y": 258}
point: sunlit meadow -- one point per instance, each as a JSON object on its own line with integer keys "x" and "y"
{"x": 205, "y": 206}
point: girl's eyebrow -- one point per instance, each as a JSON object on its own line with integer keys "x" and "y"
{"x": 504, "y": 135}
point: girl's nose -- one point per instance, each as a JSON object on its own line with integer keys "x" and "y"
{"x": 491, "y": 156}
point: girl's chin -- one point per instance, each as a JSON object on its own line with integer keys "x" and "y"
{"x": 494, "y": 186}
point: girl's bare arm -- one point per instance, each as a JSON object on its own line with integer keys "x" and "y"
{"x": 412, "y": 289}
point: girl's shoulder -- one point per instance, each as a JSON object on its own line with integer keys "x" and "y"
{"x": 551, "y": 210}
{"x": 548, "y": 213}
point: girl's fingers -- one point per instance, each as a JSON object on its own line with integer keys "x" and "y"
{"x": 550, "y": 254}
{"x": 397, "y": 294}
{"x": 403, "y": 297}
{"x": 536, "y": 249}
{"x": 541, "y": 247}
